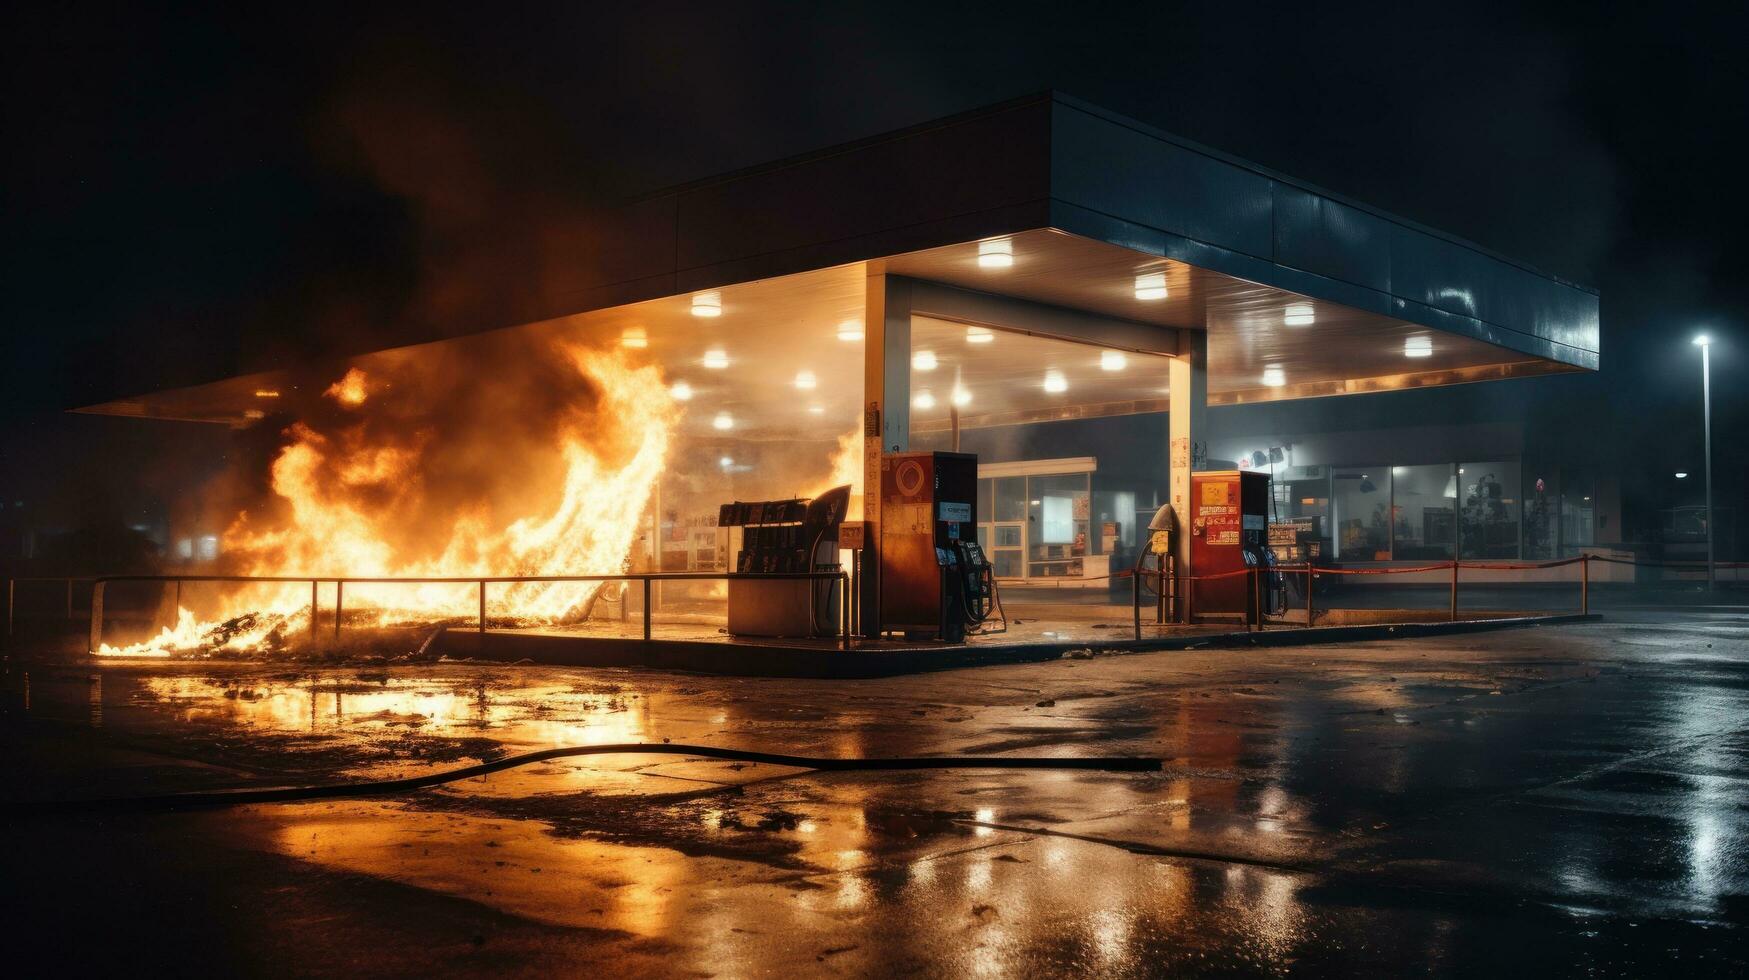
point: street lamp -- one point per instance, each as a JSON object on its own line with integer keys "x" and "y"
{"x": 1705, "y": 344}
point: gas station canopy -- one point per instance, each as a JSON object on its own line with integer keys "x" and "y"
{"x": 1082, "y": 216}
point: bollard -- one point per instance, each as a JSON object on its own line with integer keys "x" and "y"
{"x": 1257, "y": 597}
{"x": 1584, "y": 585}
{"x": 1454, "y": 571}
{"x": 646, "y": 609}
{"x": 312, "y": 608}
{"x": 95, "y": 638}
{"x": 1136, "y": 598}
{"x": 339, "y": 604}
{"x": 1308, "y": 593}
{"x": 482, "y": 606}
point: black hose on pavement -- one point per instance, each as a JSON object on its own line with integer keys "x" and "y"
{"x": 381, "y": 787}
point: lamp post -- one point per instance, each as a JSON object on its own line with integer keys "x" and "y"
{"x": 1705, "y": 344}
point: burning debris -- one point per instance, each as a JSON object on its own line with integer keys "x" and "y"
{"x": 504, "y": 455}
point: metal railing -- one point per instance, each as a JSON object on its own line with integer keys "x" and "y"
{"x": 839, "y": 581}
{"x": 13, "y": 583}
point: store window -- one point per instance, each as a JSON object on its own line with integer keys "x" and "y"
{"x": 1362, "y": 504}
{"x": 1578, "y": 513}
{"x": 1488, "y": 510}
{"x": 1010, "y": 503}
{"x": 1542, "y": 518}
{"x": 1424, "y": 509}
{"x": 1056, "y": 525}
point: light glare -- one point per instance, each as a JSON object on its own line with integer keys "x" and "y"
{"x": 1112, "y": 360}
{"x": 716, "y": 358}
{"x": 681, "y": 391}
{"x": 1055, "y": 383}
{"x": 723, "y": 422}
{"x": 1151, "y": 285}
{"x": 923, "y": 360}
{"x": 805, "y": 381}
{"x": 996, "y": 254}
{"x": 707, "y": 304}
{"x": 1274, "y": 377}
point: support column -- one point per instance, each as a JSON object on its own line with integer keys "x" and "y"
{"x": 1189, "y": 380}
{"x": 886, "y": 425}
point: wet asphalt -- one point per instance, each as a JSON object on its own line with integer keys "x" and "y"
{"x": 1565, "y": 800}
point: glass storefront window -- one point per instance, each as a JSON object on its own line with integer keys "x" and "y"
{"x": 1578, "y": 512}
{"x": 1010, "y": 504}
{"x": 1056, "y": 525}
{"x": 1541, "y": 515}
{"x": 1362, "y": 503}
{"x": 1424, "y": 511}
{"x": 1113, "y": 507}
{"x": 1488, "y": 509}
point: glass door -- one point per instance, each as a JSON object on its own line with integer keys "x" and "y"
{"x": 1008, "y": 527}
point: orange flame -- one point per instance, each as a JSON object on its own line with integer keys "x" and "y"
{"x": 584, "y": 525}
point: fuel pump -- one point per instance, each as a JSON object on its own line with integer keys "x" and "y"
{"x": 934, "y": 578}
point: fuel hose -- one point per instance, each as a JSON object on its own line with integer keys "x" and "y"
{"x": 383, "y": 787}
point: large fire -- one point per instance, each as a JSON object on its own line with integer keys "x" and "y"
{"x": 368, "y": 493}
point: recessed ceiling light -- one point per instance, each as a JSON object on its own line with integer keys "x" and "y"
{"x": 723, "y": 422}
{"x": 980, "y": 335}
{"x": 681, "y": 391}
{"x": 1274, "y": 377}
{"x": 997, "y": 253}
{"x": 1055, "y": 383}
{"x": 923, "y": 360}
{"x": 924, "y": 399}
{"x": 805, "y": 381}
{"x": 707, "y": 304}
{"x": 850, "y": 330}
{"x": 634, "y": 337}
{"x": 1419, "y": 345}
{"x": 1682, "y": 474}
{"x": 1298, "y": 315}
{"x": 1112, "y": 360}
{"x": 816, "y": 409}
{"x": 716, "y": 358}
{"x": 1151, "y": 285}
{"x": 726, "y": 462}
{"x": 961, "y": 397}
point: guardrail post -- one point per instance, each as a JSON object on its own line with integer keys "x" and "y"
{"x": 312, "y": 608}
{"x": 1454, "y": 574}
{"x": 95, "y": 639}
{"x": 482, "y": 606}
{"x": 1584, "y": 584}
{"x": 1189, "y": 600}
{"x": 69, "y": 598}
{"x": 647, "y": 608}
{"x": 339, "y": 604}
{"x": 1309, "y": 618}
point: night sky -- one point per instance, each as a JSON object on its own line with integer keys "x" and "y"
{"x": 188, "y": 193}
